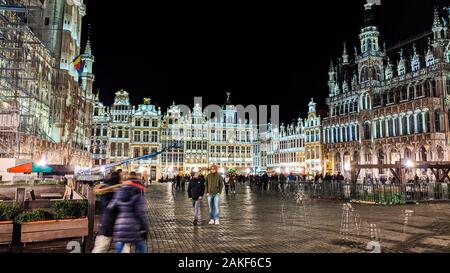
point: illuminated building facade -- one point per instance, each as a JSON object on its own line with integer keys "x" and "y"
{"x": 388, "y": 105}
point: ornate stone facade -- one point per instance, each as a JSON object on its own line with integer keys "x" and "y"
{"x": 381, "y": 113}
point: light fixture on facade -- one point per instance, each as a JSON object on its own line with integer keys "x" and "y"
{"x": 43, "y": 162}
{"x": 409, "y": 164}
{"x": 347, "y": 167}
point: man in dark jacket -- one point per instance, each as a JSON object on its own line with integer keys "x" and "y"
{"x": 196, "y": 190}
{"x": 131, "y": 223}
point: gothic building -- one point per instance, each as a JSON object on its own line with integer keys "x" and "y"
{"x": 46, "y": 104}
{"x": 386, "y": 105}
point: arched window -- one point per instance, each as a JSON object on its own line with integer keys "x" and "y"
{"x": 398, "y": 96}
{"x": 367, "y": 131}
{"x": 427, "y": 126}
{"x": 403, "y": 93}
{"x": 423, "y": 154}
{"x": 440, "y": 153}
{"x": 376, "y": 100}
{"x": 427, "y": 88}
{"x": 407, "y": 154}
{"x": 419, "y": 123}
{"x": 391, "y": 98}
{"x": 419, "y": 90}
{"x": 364, "y": 75}
{"x": 437, "y": 120}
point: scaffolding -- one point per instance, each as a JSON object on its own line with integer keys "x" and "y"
{"x": 25, "y": 80}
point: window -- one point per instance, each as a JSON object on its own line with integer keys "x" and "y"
{"x": 137, "y": 123}
{"x": 137, "y": 136}
{"x": 126, "y": 148}
{"x": 404, "y": 125}
{"x": 367, "y": 132}
{"x": 146, "y": 137}
{"x": 154, "y": 137}
{"x": 137, "y": 152}
{"x": 119, "y": 149}
{"x": 154, "y": 123}
{"x": 419, "y": 123}
{"x": 146, "y": 123}
{"x": 437, "y": 120}
{"x": 47, "y": 21}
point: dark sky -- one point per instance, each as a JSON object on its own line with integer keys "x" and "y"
{"x": 274, "y": 52}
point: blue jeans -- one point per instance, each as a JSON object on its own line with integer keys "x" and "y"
{"x": 196, "y": 205}
{"x": 213, "y": 202}
{"x": 141, "y": 247}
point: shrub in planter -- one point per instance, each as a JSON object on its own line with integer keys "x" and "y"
{"x": 8, "y": 211}
{"x": 69, "y": 209}
{"x": 32, "y": 216}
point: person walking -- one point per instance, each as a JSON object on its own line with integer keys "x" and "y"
{"x": 131, "y": 225}
{"x": 227, "y": 183}
{"x": 265, "y": 180}
{"x": 105, "y": 234}
{"x": 196, "y": 190}
{"x": 214, "y": 187}
{"x": 233, "y": 183}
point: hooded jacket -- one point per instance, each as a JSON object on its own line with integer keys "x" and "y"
{"x": 130, "y": 225}
{"x": 196, "y": 189}
{"x": 214, "y": 183}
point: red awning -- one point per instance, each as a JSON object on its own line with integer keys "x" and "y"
{"x": 25, "y": 168}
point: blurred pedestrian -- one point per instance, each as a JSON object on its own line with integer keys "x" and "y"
{"x": 105, "y": 233}
{"x": 233, "y": 183}
{"x": 131, "y": 225}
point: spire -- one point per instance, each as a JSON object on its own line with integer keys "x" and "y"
{"x": 345, "y": 55}
{"x": 228, "y": 93}
{"x": 88, "y": 50}
{"x": 331, "y": 66}
{"x": 437, "y": 20}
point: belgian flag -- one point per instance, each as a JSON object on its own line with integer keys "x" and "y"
{"x": 79, "y": 63}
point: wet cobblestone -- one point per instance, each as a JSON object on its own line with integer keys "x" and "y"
{"x": 260, "y": 222}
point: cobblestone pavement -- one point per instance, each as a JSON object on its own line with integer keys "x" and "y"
{"x": 254, "y": 221}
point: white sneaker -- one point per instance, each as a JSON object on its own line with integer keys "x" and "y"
{"x": 217, "y": 222}
{"x": 211, "y": 222}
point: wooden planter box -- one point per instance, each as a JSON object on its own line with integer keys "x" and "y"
{"x": 53, "y": 230}
{"x": 6, "y": 232}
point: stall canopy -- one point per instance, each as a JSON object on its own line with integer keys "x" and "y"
{"x": 30, "y": 168}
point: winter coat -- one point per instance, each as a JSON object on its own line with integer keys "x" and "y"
{"x": 214, "y": 183}
{"x": 130, "y": 225}
{"x": 196, "y": 189}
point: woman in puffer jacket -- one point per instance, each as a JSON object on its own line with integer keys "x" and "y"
{"x": 131, "y": 223}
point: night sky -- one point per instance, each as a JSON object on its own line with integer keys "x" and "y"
{"x": 264, "y": 52}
